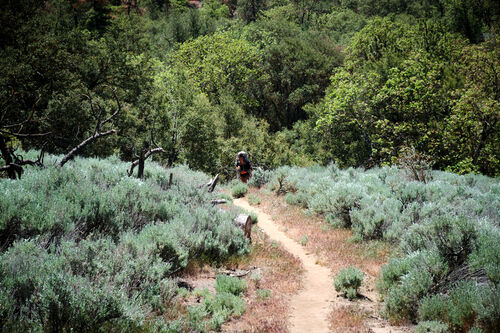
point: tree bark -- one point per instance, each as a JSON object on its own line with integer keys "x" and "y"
{"x": 140, "y": 171}
{"x": 75, "y": 150}
{"x": 138, "y": 161}
{"x": 218, "y": 202}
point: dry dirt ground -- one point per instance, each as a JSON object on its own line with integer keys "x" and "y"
{"x": 317, "y": 307}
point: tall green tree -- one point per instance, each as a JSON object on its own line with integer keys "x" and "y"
{"x": 472, "y": 133}
{"x": 299, "y": 69}
{"x": 220, "y": 63}
{"x": 248, "y": 10}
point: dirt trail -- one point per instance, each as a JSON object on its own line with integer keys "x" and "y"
{"x": 310, "y": 308}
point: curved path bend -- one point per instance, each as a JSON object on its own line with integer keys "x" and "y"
{"x": 311, "y": 306}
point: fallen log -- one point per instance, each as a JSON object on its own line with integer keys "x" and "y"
{"x": 238, "y": 272}
{"x": 218, "y": 202}
{"x": 245, "y": 223}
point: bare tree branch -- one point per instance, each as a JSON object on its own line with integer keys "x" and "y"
{"x": 85, "y": 142}
{"x": 146, "y": 155}
{"x": 27, "y": 135}
{"x": 218, "y": 202}
{"x": 119, "y": 107}
{"x": 97, "y": 132}
{"x": 19, "y": 160}
{"x": 13, "y": 168}
{"x": 211, "y": 184}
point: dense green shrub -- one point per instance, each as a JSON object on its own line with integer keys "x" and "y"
{"x": 420, "y": 261}
{"x": 456, "y": 309}
{"x": 404, "y": 281}
{"x": 487, "y": 308}
{"x": 348, "y": 280}
{"x": 229, "y": 284}
{"x": 467, "y": 305}
{"x": 239, "y": 190}
{"x": 216, "y": 309}
{"x": 92, "y": 196}
{"x": 87, "y": 248}
{"x": 280, "y": 181}
{"x": 298, "y": 199}
{"x": 41, "y": 292}
{"x": 487, "y": 254}
{"x": 381, "y": 203}
{"x": 259, "y": 177}
{"x": 448, "y": 223}
{"x": 454, "y": 238}
{"x": 254, "y": 218}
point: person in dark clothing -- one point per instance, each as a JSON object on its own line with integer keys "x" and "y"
{"x": 243, "y": 166}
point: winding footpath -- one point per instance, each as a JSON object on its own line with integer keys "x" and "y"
{"x": 311, "y": 306}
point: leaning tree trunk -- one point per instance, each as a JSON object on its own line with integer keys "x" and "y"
{"x": 140, "y": 171}
{"x": 84, "y": 143}
{"x": 97, "y": 132}
{"x": 140, "y": 161}
{"x": 7, "y": 158}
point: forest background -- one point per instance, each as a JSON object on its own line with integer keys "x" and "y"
{"x": 293, "y": 82}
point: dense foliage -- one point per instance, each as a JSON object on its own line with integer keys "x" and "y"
{"x": 348, "y": 281}
{"x": 292, "y": 82}
{"x": 445, "y": 228}
{"x": 87, "y": 248}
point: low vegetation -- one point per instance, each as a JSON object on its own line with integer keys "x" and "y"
{"x": 239, "y": 190}
{"x": 348, "y": 281}
{"x": 216, "y": 309}
{"x": 446, "y": 264}
{"x": 254, "y": 200}
{"x": 269, "y": 287}
{"x": 86, "y": 247}
{"x": 431, "y": 327}
{"x": 361, "y": 83}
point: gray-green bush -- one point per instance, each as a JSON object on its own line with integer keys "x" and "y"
{"x": 467, "y": 305}
{"x": 259, "y": 177}
{"x": 239, "y": 190}
{"x": 230, "y": 284}
{"x": 348, "y": 280}
{"x": 445, "y": 230}
{"x": 431, "y": 327}
{"x": 86, "y": 248}
{"x": 215, "y": 309}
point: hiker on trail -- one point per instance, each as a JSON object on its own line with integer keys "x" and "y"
{"x": 243, "y": 166}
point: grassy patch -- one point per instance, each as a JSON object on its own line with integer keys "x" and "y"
{"x": 239, "y": 190}
{"x": 254, "y": 200}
